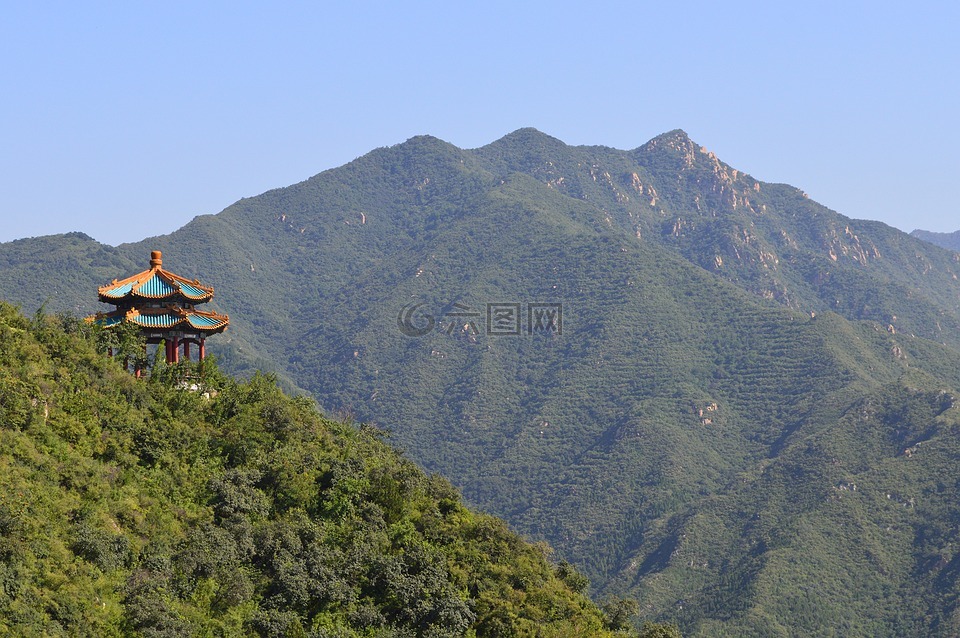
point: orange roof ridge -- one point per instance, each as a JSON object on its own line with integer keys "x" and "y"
{"x": 156, "y": 269}
{"x": 175, "y": 279}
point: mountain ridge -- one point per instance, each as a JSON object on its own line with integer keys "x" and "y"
{"x": 715, "y": 328}
{"x": 950, "y": 241}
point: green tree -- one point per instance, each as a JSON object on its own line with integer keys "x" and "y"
{"x": 659, "y": 630}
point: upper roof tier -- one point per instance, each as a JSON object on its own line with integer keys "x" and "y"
{"x": 155, "y": 283}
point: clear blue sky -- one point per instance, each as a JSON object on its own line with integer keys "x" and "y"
{"x": 125, "y": 120}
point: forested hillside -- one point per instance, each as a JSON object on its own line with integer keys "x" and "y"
{"x": 199, "y": 505}
{"x": 732, "y": 359}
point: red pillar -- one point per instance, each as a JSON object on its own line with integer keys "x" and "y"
{"x": 202, "y": 349}
{"x": 176, "y": 349}
{"x": 186, "y": 350}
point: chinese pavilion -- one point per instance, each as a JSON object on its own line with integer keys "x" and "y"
{"x": 164, "y": 306}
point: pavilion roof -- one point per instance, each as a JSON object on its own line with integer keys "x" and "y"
{"x": 167, "y": 318}
{"x": 155, "y": 283}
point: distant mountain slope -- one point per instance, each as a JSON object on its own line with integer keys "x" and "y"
{"x": 135, "y": 507}
{"x": 719, "y": 337}
{"x": 59, "y": 271}
{"x": 950, "y": 241}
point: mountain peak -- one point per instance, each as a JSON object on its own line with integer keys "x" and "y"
{"x": 675, "y": 134}
{"x": 675, "y": 151}
{"x": 524, "y": 149}
{"x": 528, "y": 137}
{"x": 673, "y": 142}
{"x": 413, "y": 152}
{"x": 528, "y": 132}
{"x": 424, "y": 142}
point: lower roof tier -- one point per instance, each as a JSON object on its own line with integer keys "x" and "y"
{"x": 166, "y": 318}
